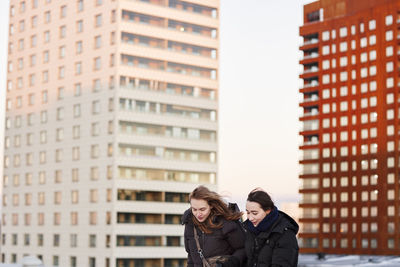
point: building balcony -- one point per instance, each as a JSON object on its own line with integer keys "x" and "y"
{"x": 206, "y": 12}
{"x": 313, "y": 83}
{"x": 309, "y": 216}
{"x": 312, "y": 55}
{"x": 309, "y": 42}
{"x": 309, "y": 128}
{"x": 310, "y": 168}
{"x": 310, "y": 87}
{"x": 170, "y": 120}
{"x": 145, "y": 93}
{"x": 309, "y": 156}
{"x": 311, "y": 70}
{"x": 168, "y": 55}
{"x": 309, "y": 172}
{"x": 308, "y": 186}
{"x": 310, "y": 143}
{"x": 150, "y": 162}
{"x": 309, "y": 201}
{"x": 161, "y": 140}
{"x": 168, "y": 34}
{"x": 313, "y": 112}
{"x": 309, "y": 100}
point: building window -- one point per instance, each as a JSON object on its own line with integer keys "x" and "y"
{"x": 33, "y": 40}
{"x": 56, "y": 240}
{"x": 57, "y": 218}
{"x": 95, "y": 129}
{"x": 79, "y": 8}
{"x": 75, "y": 175}
{"x": 98, "y": 20}
{"x": 77, "y": 89}
{"x": 97, "y": 41}
{"x": 40, "y": 218}
{"x": 27, "y": 240}
{"x": 61, "y": 51}
{"x": 60, "y": 113}
{"x": 60, "y": 93}
{"x": 40, "y": 240}
{"x": 58, "y": 179}
{"x": 63, "y": 11}
{"x": 63, "y": 31}
{"x": 372, "y": 25}
{"x": 92, "y": 241}
{"x": 76, "y": 131}
{"x": 78, "y": 47}
{"x": 77, "y": 110}
{"x": 78, "y": 68}
{"x": 73, "y": 261}
{"x": 92, "y": 218}
{"x": 96, "y": 107}
{"x": 97, "y": 63}
{"x": 93, "y": 196}
{"x": 96, "y": 85}
{"x": 42, "y": 177}
{"x": 59, "y": 155}
{"x": 61, "y": 72}
{"x": 94, "y": 173}
{"x": 55, "y": 261}
{"x": 92, "y": 262}
{"x": 94, "y": 151}
{"x": 73, "y": 240}
{"x": 79, "y": 26}
{"x": 75, "y": 153}
{"x": 47, "y": 17}
{"x": 46, "y": 36}
{"x": 41, "y": 198}
{"x": 74, "y": 196}
{"x": 46, "y": 56}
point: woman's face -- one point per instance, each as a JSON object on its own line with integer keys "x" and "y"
{"x": 200, "y": 209}
{"x": 255, "y": 213}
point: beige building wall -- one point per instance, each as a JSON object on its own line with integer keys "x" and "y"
{"x": 111, "y": 120}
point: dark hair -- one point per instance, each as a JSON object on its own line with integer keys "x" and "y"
{"x": 261, "y": 197}
{"x": 218, "y": 208}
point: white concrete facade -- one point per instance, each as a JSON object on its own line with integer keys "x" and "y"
{"x": 111, "y": 120}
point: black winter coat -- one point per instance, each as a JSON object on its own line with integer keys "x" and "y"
{"x": 276, "y": 247}
{"x": 228, "y": 240}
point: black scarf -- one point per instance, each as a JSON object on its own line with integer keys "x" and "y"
{"x": 265, "y": 224}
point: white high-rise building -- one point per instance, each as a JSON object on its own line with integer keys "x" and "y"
{"x": 111, "y": 120}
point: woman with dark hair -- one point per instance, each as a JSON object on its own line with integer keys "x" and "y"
{"x": 218, "y": 230}
{"x": 271, "y": 234}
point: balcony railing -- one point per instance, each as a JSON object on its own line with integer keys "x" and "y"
{"x": 309, "y": 184}
{"x": 313, "y": 69}
{"x": 310, "y": 143}
{"x": 311, "y": 113}
{"x": 170, "y": 91}
{"x": 309, "y": 216}
{"x": 312, "y": 55}
{"x": 310, "y": 99}
{"x": 309, "y": 201}
{"x": 312, "y": 41}
{"x": 309, "y": 157}
{"x": 312, "y": 84}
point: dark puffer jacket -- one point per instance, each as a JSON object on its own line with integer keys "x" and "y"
{"x": 228, "y": 240}
{"x": 276, "y": 247}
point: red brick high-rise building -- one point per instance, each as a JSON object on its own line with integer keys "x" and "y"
{"x": 350, "y": 162}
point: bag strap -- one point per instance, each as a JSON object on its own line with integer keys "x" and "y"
{"x": 199, "y": 250}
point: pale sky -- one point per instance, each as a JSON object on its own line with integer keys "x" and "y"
{"x": 258, "y": 99}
